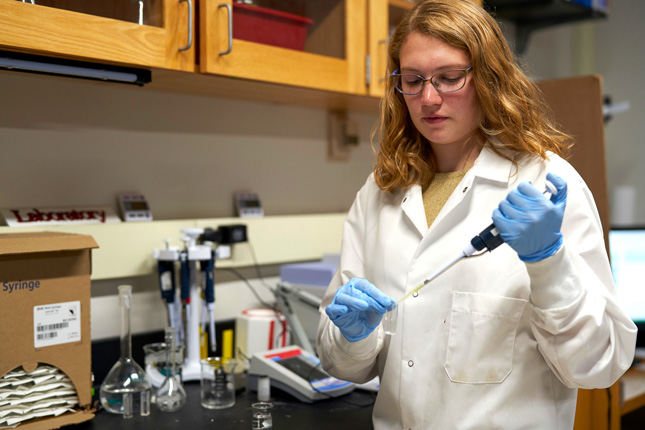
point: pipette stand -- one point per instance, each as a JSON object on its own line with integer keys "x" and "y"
{"x": 191, "y": 370}
{"x": 171, "y": 254}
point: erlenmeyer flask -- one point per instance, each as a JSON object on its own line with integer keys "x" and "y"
{"x": 171, "y": 395}
{"x": 125, "y": 389}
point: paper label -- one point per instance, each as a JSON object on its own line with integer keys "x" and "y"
{"x": 57, "y": 323}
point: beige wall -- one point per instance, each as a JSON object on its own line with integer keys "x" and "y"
{"x": 66, "y": 142}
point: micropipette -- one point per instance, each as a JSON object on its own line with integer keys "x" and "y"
{"x": 167, "y": 285}
{"x": 184, "y": 283}
{"x": 166, "y": 267}
{"x": 208, "y": 275}
{"x": 489, "y": 238}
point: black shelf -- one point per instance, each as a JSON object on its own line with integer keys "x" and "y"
{"x": 531, "y": 15}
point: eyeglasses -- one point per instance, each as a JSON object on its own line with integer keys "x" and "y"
{"x": 447, "y": 81}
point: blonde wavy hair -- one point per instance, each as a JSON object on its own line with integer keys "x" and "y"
{"x": 512, "y": 108}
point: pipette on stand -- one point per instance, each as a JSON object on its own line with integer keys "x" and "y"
{"x": 167, "y": 284}
{"x": 184, "y": 284}
{"x": 166, "y": 269}
{"x": 489, "y": 238}
{"x": 166, "y": 259}
{"x": 210, "y": 237}
{"x": 208, "y": 275}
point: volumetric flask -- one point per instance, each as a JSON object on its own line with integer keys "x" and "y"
{"x": 171, "y": 395}
{"x": 125, "y": 389}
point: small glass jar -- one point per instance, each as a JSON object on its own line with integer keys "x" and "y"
{"x": 262, "y": 415}
{"x": 390, "y": 319}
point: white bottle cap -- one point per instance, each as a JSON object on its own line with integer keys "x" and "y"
{"x": 264, "y": 388}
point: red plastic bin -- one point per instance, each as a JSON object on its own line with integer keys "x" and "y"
{"x": 269, "y": 26}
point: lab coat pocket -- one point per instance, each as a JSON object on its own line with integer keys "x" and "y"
{"x": 482, "y": 337}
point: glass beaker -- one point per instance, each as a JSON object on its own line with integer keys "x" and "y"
{"x": 125, "y": 389}
{"x": 262, "y": 415}
{"x": 218, "y": 382}
{"x": 171, "y": 395}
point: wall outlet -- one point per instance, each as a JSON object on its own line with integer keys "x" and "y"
{"x": 223, "y": 252}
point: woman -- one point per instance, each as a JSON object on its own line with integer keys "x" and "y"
{"x": 500, "y": 340}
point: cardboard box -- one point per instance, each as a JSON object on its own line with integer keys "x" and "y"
{"x": 45, "y": 308}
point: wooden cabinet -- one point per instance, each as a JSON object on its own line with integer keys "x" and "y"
{"x": 332, "y": 56}
{"x": 151, "y": 33}
{"x": 344, "y": 50}
{"x": 383, "y": 16}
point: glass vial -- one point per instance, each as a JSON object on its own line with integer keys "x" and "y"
{"x": 389, "y": 320}
{"x": 125, "y": 389}
{"x": 171, "y": 395}
{"x": 262, "y": 416}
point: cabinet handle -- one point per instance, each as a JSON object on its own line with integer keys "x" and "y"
{"x": 190, "y": 25}
{"x": 230, "y": 27}
{"x": 384, "y": 42}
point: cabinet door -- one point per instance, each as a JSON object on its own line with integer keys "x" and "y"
{"x": 303, "y": 43}
{"x": 150, "y": 33}
{"x": 383, "y": 17}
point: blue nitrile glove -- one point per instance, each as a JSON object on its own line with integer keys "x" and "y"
{"x": 529, "y": 222}
{"x": 357, "y": 308}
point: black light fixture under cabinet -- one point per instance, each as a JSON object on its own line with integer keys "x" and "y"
{"x": 14, "y": 61}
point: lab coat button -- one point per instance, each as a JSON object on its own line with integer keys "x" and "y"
{"x": 465, "y": 189}
{"x": 410, "y": 363}
{"x": 415, "y": 294}
{"x": 405, "y": 199}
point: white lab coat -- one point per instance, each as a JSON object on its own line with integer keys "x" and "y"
{"x": 492, "y": 343}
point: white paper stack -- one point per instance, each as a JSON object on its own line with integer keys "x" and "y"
{"x": 26, "y": 395}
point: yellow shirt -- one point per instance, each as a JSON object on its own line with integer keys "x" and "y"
{"x": 437, "y": 193}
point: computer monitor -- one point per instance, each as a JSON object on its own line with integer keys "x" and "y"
{"x": 627, "y": 251}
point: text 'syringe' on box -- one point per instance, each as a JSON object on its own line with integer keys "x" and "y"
{"x": 45, "y": 307}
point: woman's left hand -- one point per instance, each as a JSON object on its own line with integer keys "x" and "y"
{"x": 529, "y": 222}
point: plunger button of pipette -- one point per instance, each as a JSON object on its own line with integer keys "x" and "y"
{"x": 550, "y": 188}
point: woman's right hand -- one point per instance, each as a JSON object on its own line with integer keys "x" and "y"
{"x": 357, "y": 308}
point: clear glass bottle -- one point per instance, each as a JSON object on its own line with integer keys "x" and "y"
{"x": 171, "y": 395}
{"x": 125, "y": 389}
{"x": 262, "y": 416}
